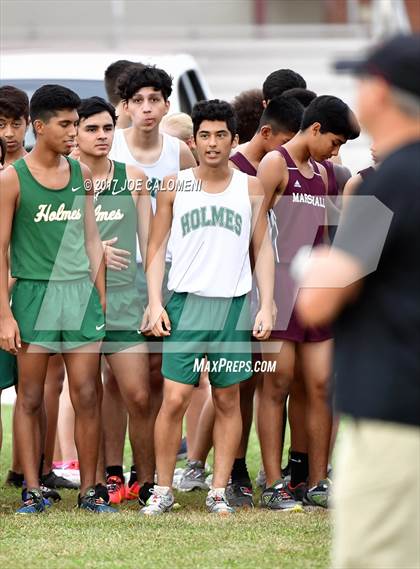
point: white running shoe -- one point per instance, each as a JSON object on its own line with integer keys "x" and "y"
{"x": 193, "y": 477}
{"x": 160, "y": 502}
{"x": 217, "y": 502}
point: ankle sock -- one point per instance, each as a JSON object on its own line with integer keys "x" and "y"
{"x": 299, "y": 467}
{"x": 133, "y": 475}
{"x": 239, "y": 470}
{"x": 115, "y": 471}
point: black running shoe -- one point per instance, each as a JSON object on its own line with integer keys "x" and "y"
{"x": 278, "y": 497}
{"x": 102, "y": 492}
{"x": 298, "y": 491}
{"x": 14, "y": 479}
{"x": 50, "y": 494}
{"x": 94, "y": 503}
{"x": 145, "y": 492}
{"x": 318, "y": 495}
{"x": 53, "y": 481}
{"x": 239, "y": 494}
{"x": 32, "y": 502}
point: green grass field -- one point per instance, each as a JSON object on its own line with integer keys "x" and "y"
{"x": 187, "y": 538}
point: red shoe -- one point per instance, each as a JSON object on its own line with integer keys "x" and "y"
{"x": 116, "y": 489}
{"x": 132, "y": 492}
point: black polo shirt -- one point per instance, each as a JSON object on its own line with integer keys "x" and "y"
{"x": 377, "y": 352}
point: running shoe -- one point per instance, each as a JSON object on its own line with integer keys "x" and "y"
{"x": 239, "y": 494}
{"x": 47, "y": 502}
{"x": 66, "y": 465}
{"x": 298, "y": 492}
{"x": 145, "y": 491}
{"x": 160, "y": 502}
{"x": 33, "y": 503}
{"x": 69, "y": 470}
{"x": 193, "y": 477}
{"x": 132, "y": 492}
{"x": 53, "y": 481}
{"x": 116, "y": 489}
{"x": 278, "y": 497}
{"x": 318, "y": 495}
{"x": 102, "y": 492}
{"x": 14, "y": 479}
{"x": 50, "y": 494}
{"x": 94, "y": 503}
{"x": 217, "y": 503}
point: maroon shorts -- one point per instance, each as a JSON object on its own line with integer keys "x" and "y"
{"x": 295, "y": 332}
{"x": 287, "y": 325}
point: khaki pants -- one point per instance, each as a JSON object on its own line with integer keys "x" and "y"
{"x": 377, "y": 497}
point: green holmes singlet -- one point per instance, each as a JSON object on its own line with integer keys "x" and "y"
{"x": 54, "y": 301}
{"x": 48, "y": 237}
{"x": 116, "y": 216}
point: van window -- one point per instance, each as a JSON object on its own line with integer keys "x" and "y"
{"x": 84, "y": 88}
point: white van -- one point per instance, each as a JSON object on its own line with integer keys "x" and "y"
{"x": 83, "y": 72}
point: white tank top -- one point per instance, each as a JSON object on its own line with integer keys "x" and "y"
{"x": 210, "y": 238}
{"x": 167, "y": 163}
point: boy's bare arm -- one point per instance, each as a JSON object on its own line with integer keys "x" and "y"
{"x": 264, "y": 259}
{"x": 9, "y": 195}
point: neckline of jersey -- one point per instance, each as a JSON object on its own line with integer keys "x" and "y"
{"x": 45, "y": 187}
{"x": 142, "y": 164}
{"x": 223, "y": 192}
{"x": 294, "y": 164}
{"x": 245, "y": 158}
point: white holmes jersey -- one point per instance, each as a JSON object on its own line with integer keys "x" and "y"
{"x": 210, "y": 238}
{"x": 167, "y": 163}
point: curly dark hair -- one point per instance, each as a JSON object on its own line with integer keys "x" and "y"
{"x": 248, "y": 107}
{"x": 136, "y": 77}
{"x": 112, "y": 74}
{"x": 213, "y": 110}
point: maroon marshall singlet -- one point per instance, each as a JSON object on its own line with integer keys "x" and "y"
{"x": 243, "y": 164}
{"x": 301, "y": 217}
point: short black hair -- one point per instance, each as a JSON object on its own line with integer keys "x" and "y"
{"x": 135, "y": 77}
{"x": 93, "y": 106}
{"x": 248, "y": 107}
{"x": 304, "y": 96}
{"x": 333, "y": 115}
{"x": 14, "y": 103}
{"x": 281, "y": 80}
{"x": 3, "y": 151}
{"x": 213, "y": 110}
{"x": 49, "y": 99}
{"x": 112, "y": 74}
{"x": 283, "y": 114}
